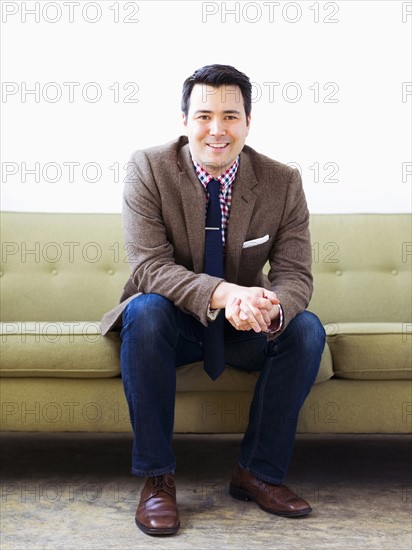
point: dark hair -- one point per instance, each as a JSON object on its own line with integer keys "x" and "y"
{"x": 218, "y": 75}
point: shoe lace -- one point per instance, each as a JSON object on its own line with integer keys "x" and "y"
{"x": 160, "y": 483}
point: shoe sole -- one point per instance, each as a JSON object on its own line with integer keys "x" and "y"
{"x": 155, "y": 532}
{"x": 241, "y": 494}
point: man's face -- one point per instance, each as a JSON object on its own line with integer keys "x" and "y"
{"x": 216, "y": 126}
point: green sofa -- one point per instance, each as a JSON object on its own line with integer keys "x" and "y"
{"x": 61, "y": 272}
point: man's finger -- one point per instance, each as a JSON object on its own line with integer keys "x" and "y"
{"x": 254, "y": 317}
{"x": 232, "y": 313}
{"x": 270, "y": 295}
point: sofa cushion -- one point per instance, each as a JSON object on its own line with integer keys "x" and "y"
{"x": 371, "y": 351}
{"x": 78, "y": 350}
{"x": 57, "y": 349}
{"x": 361, "y": 267}
{"x": 73, "y": 266}
{"x": 61, "y": 266}
{"x": 193, "y": 377}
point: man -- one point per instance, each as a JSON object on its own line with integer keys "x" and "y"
{"x": 197, "y": 292}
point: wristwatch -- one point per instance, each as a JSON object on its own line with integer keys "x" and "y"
{"x": 211, "y": 314}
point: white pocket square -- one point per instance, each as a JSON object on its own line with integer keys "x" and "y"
{"x": 255, "y": 242}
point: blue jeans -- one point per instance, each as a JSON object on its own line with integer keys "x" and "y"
{"x": 158, "y": 337}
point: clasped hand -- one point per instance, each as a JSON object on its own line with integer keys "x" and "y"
{"x": 247, "y": 308}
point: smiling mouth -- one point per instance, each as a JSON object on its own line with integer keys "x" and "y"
{"x": 217, "y": 145}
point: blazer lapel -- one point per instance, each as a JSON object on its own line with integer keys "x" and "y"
{"x": 194, "y": 207}
{"x": 243, "y": 202}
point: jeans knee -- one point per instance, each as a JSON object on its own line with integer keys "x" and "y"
{"x": 308, "y": 332}
{"x": 149, "y": 314}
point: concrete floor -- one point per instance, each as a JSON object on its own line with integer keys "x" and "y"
{"x": 74, "y": 491}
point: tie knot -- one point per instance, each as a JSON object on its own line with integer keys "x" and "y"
{"x": 213, "y": 187}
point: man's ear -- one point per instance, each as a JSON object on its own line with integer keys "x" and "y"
{"x": 248, "y": 123}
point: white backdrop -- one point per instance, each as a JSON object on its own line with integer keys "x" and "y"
{"x": 84, "y": 84}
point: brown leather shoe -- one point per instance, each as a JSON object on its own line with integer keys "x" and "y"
{"x": 275, "y": 499}
{"x": 157, "y": 513}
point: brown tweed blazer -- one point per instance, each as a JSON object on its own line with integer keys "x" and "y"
{"x": 164, "y": 231}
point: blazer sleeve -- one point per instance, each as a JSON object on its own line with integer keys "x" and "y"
{"x": 290, "y": 258}
{"x": 150, "y": 253}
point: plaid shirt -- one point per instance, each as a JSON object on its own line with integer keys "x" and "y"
{"x": 226, "y": 181}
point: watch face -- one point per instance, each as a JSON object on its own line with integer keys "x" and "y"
{"x": 212, "y": 313}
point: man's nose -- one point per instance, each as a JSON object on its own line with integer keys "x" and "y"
{"x": 217, "y": 128}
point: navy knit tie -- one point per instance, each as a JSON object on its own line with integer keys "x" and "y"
{"x": 214, "y": 351}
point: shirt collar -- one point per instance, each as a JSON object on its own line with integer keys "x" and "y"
{"x": 226, "y": 179}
